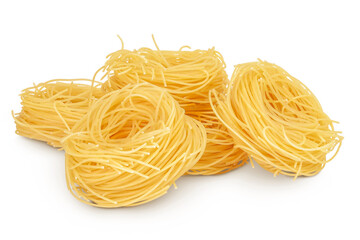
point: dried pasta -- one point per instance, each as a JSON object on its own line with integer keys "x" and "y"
{"x": 277, "y": 120}
{"x": 131, "y": 147}
{"x": 51, "y": 109}
{"x": 188, "y": 76}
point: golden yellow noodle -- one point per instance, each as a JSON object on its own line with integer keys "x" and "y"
{"x": 221, "y": 155}
{"x": 277, "y": 120}
{"x": 51, "y": 109}
{"x": 131, "y": 147}
{"x": 188, "y": 76}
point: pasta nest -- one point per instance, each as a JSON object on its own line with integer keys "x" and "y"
{"x": 188, "y": 76}
{"x": 51, "y": 109}
{"x": 130, "y": 147}
{"x": 277, "y": 120}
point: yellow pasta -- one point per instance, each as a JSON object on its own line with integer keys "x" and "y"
{"x": 51, "y": 109}
{"x": 221, "y": 154}
{"x": 130, "y": 147}
{"x": 277, "y": 120}
{"x": 188, "y": 76}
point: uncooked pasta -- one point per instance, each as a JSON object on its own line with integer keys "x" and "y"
{"x": 156, "y": 115}
{"x": 131, "y": 147}
{"x": 277, "y": 120}
{"x": 188, "y": 76}
{"x": 51, "y": 109}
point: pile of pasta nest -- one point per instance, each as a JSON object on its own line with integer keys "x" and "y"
{"x": 157, "y": 115}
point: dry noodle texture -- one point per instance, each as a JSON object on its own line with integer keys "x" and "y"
{"x": 277, "y": 120}
{"x": 131, "y": 147}
{"x": 188, "y": 76}
{"x": 51, "y": 109}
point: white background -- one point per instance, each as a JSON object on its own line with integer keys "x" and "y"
{"x": 316, "y": 41}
